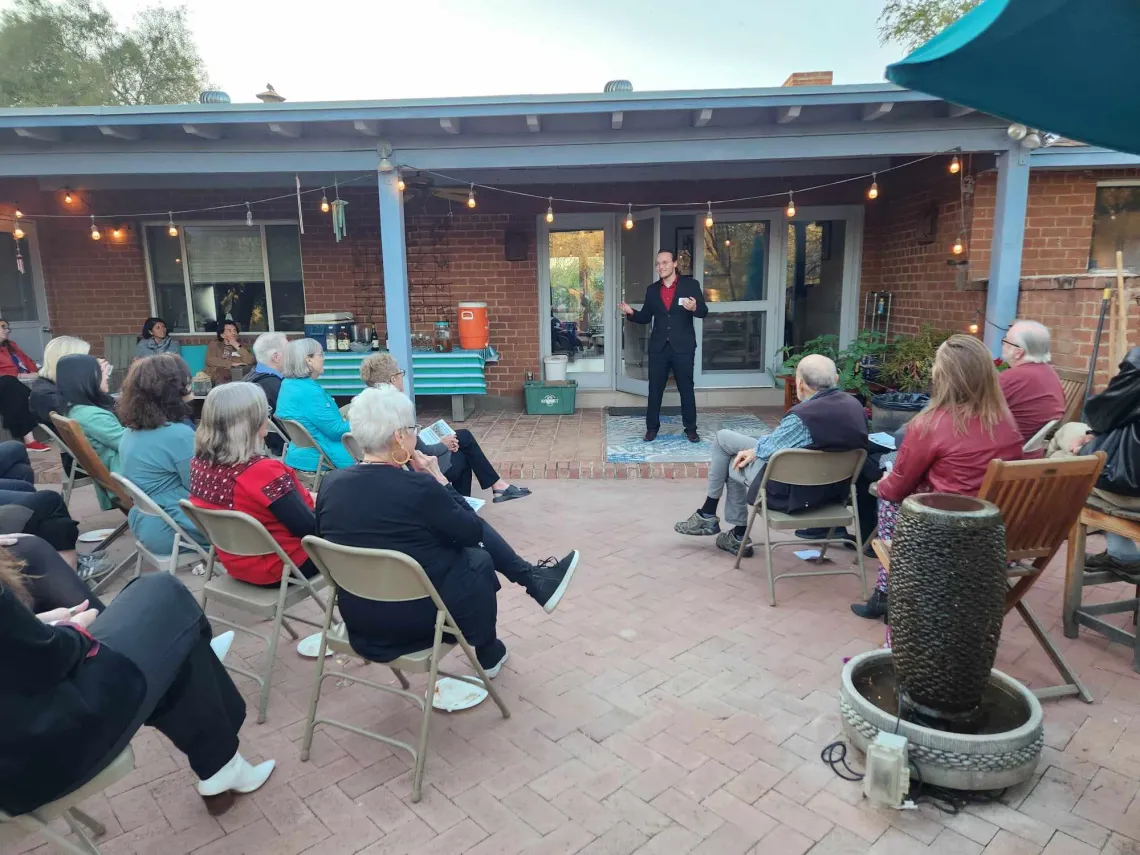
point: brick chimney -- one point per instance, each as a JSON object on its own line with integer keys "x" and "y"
{"x": 809, "y": 78}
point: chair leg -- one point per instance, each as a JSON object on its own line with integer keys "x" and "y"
{"x": 288, "y": 627}
{"x": 97, "y": 828}
{"x": 272, "y": 654}
{"x": 862, "y": 567}
{"x": 68, "y": 481}
{"x": 314, "y": 699}
{"x": 747, "y": 534}
{"x": 1074, "y": 579}
{"x": 823, "y": 547}
{"x": 35, "y": 825}
{"x": 487, "y": 684}
{"x": 425, "y": 724}
{"x": 404, "y": 684}
{"x": 771, "y": 570}
{"x": 1073, "y": 684}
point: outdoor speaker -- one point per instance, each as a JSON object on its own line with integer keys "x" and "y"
{"x": 515, "y": 246}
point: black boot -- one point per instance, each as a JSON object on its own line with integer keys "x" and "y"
{"x": 874, "y": 608}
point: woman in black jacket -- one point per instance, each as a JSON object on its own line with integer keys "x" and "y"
{"x": 77, "y": 684}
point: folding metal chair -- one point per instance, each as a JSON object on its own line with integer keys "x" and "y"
{"x": 299, "y": 436}
{"x": 240, "y": 534}
{"x": 73, "y": 475}
{"x": 12, "y": 828}
{"x": 1040, "y": 439}
{"x": 382, "y": 575}
{"x": 803, "y": 468}
{"x": 185, "y": 551}
{"x": 352, "y": 447}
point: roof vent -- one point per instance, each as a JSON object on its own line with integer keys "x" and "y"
{"x": 270, "y": 96}
{"x": 618, "y": 86}
{"x": 213, "y": 96}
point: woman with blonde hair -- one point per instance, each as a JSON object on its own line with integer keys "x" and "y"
{"x": 949, "y": 445}
{"x": 460, "y": 455}
{"x": 46, "y": 397}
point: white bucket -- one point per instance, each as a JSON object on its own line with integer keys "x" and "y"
{"x": 555, "y": 367}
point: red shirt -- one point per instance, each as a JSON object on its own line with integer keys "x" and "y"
{"x": 9, "y": 352}
{"x": 941, "y": 460}
{"x": 1034, "y": 395}
{"x": 250, "y": 487}
{"x": 668, "y": 292}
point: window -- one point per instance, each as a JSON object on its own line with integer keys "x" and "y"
{"x": 1116, "y": 226}
{"x": 210, "y": 273}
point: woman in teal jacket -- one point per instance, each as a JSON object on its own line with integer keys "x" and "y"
{"x": 301, "y": 399}
{"x": 83, "y": 382}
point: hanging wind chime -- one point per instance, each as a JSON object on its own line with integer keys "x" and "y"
{"x": 300, "y": 213}
{"x": 340, "y": 227}
{"x": 19, "y": 259}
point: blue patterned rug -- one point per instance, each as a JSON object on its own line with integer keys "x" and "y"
{"x": 625, "y": 444}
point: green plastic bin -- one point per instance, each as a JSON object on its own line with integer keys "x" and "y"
{"x": 546, "y": 399}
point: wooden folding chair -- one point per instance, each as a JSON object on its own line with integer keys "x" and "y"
{"x": 382, "y": 575}
{"x": 1040, "y": 502}
{"x": 299, "y": 435}
{"x": 71, "y": 435}
{"x": 73, "y": 475}
{"x": 1073, "y": 385}
{"x": 240, "y": 534}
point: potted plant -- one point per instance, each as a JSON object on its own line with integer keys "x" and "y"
{"x": 909, "y": 360}
{"x": 857, "y": 364}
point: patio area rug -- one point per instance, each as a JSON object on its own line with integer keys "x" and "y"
{"x": 625, "y": 428}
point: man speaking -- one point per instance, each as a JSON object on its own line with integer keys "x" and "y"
{"x": 671, "y": 303}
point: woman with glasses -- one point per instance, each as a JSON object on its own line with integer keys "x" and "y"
{"x": 416, "y": 511}
{"x": 301, "y": 399}
{"x": 460, "y": 456}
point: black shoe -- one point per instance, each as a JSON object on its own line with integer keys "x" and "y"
{"x": 650, "y": 435}
{"x": 874, "y": 608}
{"x": 512, "y": 492}
{"x": 693, "y": 435}
{"x": 821, "y": 533}
{"x": 549, "y": 580}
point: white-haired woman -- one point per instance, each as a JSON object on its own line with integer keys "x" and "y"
{"x": 301, "y": 399}
{"x": 422, "y": 516}
{"x": 45, "y": 396}
{"x": 231, "y": 472}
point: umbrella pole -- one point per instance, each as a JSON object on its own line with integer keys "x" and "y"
{"x": 1105, "y": 299}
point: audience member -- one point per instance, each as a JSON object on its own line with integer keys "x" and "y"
{"x": 15, "y": 412}
{"x": 83, "y": 382}
{"x": 269, "y": 351}
{"x": 155, "y": 338}
{"x": 301, "y": 399}
{"x": 1031, "y": 387}
{"x": 226, "y": 353}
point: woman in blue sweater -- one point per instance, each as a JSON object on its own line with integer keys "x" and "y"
{"x": 301, "y": 399}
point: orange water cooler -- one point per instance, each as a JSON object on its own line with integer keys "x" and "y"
{"x": 474, "y": 328}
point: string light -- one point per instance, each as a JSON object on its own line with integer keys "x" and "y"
{"x": 708, "y": 218}
{"x": 116, "y": 233}
{"x": 727, "y": 242}
{"x": 18, "y": 233}
{"x": 67, "y": 196}
{"x": 471, "y": 197}
{"x": 172, "y": 229}
{"x": 959, "y": 246}
{"x": 873, "y": 190}
{"x": 19, "y": 213}
{"x": 94, "y": 229}
{"x": 550, "y": 210}
{"x": 324, "y": 202}
{"x": 973, "y": 329}
{"x": 248, "y": 215}
{"x": 791, "y": 212}
{"x": 629, "y": 218}
{"x": 955, "y": 165}
{"x": 400, "y": 185}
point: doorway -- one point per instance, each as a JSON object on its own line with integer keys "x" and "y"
{"x": 23, "y": 300}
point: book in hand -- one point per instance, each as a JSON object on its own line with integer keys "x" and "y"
{"x": 434, "y": 433}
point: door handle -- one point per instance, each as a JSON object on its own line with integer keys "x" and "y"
{"x": 46, "y": 329}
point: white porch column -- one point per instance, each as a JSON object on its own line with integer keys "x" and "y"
{"x": 393, "y": 247}
{"x": 1009, "y": 236}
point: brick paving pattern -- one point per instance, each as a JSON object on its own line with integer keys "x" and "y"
{"x": 663, "y": 708}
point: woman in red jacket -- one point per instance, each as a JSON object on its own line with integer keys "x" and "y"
{"x": 949, "y": 445}
{"x": 15, "y": 411}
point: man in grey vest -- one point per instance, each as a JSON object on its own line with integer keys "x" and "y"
{"x": 826, "y": 419}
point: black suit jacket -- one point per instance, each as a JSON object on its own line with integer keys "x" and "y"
{"x": 674, "y": 326}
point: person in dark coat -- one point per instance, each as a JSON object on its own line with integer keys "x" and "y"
{"x": 671, "y": 303}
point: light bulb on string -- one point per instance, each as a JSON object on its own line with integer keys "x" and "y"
{"x": 708, "y": 217}
{"x": 94, "y": 229}
{"x": 873, "y": 190}
{"x": 248, "y": 215}
{"x": 959, "y": 246}
{"x": 471, "y": 197}
{"x": 18, "y": 233}
{"x": 550, "y": 210}
{"x": 791, "y": 211}
{"x": 19, "y": 214}
{"x": 955, "y": 165}
{"x": 67, "y": 196}
{"x": 727, "y": 242}
{"x": 172, "y": 229}
{"x": 400, "y": 185}
{"x": 324, "y": 202}
{"x": 629, "y": 218}
{"x": 973, "y": 329}
{"x": 117, "y": 232}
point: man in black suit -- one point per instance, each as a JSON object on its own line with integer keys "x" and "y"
{"x": 670, "y": 304}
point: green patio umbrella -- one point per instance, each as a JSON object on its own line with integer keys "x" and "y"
{"x": 1063, "y": 66}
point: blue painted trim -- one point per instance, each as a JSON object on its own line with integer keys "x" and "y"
{"x": 1071, "y": 157}
{"x": 393, "y": 248}
{"x": 1005, "y": 255}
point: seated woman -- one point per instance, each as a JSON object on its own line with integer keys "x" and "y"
{"x": 15, "y": 367}
{"x": 157, "y": 446}
{"x": 226, "y": 354}
{"x": 418, "y": 512}
{"x": 46, "y": 397}
{"x": 459, "y": 455}
{"x": 232, "y": 472}
{"x": 75, "y": 688}
{"x": 301, "y": 399}
{"x": 155, "y": 338}
{"x": 83, "y": 381}
{"x": 26, "y": 510}
{"x": 949, "y": 445}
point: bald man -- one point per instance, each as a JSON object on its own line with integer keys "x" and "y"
{"x": 826, "y": 419}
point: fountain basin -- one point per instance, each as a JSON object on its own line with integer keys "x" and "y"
{"x": 1002, "y": 751}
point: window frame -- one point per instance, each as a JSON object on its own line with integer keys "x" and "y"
{"x": 260, "y": 225}
{"x": 1107, "y": 182}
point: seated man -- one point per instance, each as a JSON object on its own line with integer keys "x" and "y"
{"x": 1031, "y": 387}
{"x": 826, "y": 419}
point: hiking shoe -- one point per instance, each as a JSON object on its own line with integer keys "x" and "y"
{"x": 550, "y": 578}
{"x": 729, "y": 542}
{"x": 93, "y": 566}
{"x": 698, "y": 524}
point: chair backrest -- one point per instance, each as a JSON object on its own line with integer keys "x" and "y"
{"x": 234, "y": 532}
{"x": 1073, "y": 385}
{"x": 144, "y": 504}
{"x": 71, "y": 434}
{"x": 1038, "y": 440}
{"x": 381, "y": 575}
{"x": 1040, "y": 501}
{"x": 352, "y": 447}
{"x": 45, "y": 434}
{"x": 805, "y": 468}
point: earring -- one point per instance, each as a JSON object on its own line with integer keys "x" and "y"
{"x": 407, "y": 456}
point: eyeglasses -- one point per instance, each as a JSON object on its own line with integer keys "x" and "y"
{"x": 1011, "y": 344}
{"x": 415, "y": 429}
{"x": 399, "y": 374}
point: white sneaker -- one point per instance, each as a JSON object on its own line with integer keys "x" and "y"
{"x": 221, "y": 644}
{"x": 494, "y": 670}
{"x": 237, "y": 775}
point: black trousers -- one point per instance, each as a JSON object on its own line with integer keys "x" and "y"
{"x": 681, "y": 364}
{"x": 15, "y": 464}
{"x": 51, "y": 581}
{"x": 469, "y": 460}
{"x": 15, "y": 412}
{"x": 49, "y": 520}
{"x": 156, "y": 623}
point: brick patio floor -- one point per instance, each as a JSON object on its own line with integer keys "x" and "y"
{"x": 663, "y": 708}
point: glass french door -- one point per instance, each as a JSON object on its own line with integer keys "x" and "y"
{"x": 23, "y": 300}
{"x": 637, "y": 263}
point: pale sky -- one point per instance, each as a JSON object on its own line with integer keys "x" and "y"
{"x": 377, "y": 49}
